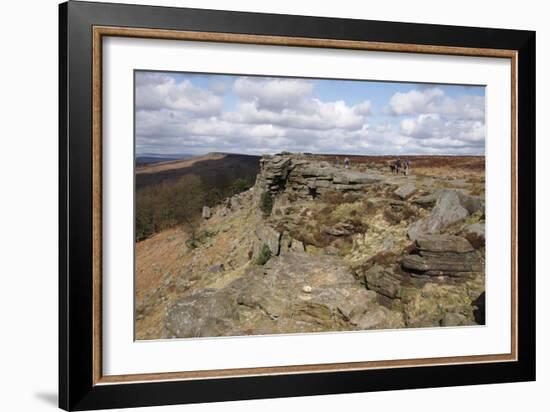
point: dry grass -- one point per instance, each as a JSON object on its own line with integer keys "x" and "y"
{"x": 338, "y": 198}
{"x": 477, "y": 190}
{"x": 405, "y": 213}
{"x": 346, "y": 210}
{"x": 156, "y": 257}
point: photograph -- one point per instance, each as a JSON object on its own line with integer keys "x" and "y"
{"x": 279, "y": 204}
{"x": 287, "y": 205}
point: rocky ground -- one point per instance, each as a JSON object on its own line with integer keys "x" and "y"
{"x": 314, "y": 247}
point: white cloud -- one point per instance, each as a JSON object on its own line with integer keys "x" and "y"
{"x": 363, "y": 109}
{"x": 437, "y": 131}
{"x": 289, "y": 103}
{"x": 414, "y": 101}
{"x": 273, "y": 94}
{"x": 437, "y": 123}
{"x": 275, "y": 114}
{"x": 434, "y": 101}
{"x": 313, "y": 114}
{"x": 423, "y": 126}
{"x": 156, "y": 91}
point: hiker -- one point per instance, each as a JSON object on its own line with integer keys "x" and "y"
{"x": 337, "y": 161}
{"x": 407, "y": 167}
{"x": 397, "y": 166}
{"x": 346, "y": 163}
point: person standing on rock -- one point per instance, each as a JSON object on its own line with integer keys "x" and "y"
{"x": 346, "y": 163}
{"x": 407, "y": 167}
{"x": 397, "y": 166}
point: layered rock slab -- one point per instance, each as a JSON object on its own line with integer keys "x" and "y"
{"x": 443, "y": 255}
{"x": 438, "y": 284}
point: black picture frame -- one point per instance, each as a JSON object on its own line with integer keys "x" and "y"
{"x": 77, "y": 390}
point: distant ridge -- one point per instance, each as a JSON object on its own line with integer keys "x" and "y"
{"x": 172, "y": 164}
{"x": 216, "y": 165}
{"x": 150, "y": 158}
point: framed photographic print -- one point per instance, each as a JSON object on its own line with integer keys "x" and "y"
{"x": 256, "y": 205}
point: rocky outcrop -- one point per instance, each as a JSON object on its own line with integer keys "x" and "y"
{"x": 436, "y": 305}
{"x": 384, "y": 281}
{"x": 472, "y": 204}
{"x": 475, "y": 233}
{"x": 306, "y": 178}
{"x": 476, "y": 229}
{"x": 405, "y": 191}
{"x": 448, "y": 210}
{"x": 426, "y": 201}
{"x": 442, "y": 256}
{"x": 438, "y": 283}
{"x": 330, "y": 251}
{"x": 290, "y": 245}
{"x": 279, "y": 243}
{"x": 266, "y": 235}
{"x": 293, "y": 293}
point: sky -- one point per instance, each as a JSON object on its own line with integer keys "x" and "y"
{"x": 189, "y": 113}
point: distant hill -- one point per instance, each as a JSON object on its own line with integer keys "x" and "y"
{"x": 216, "y": 168}
{"x": 150, "y": 158}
